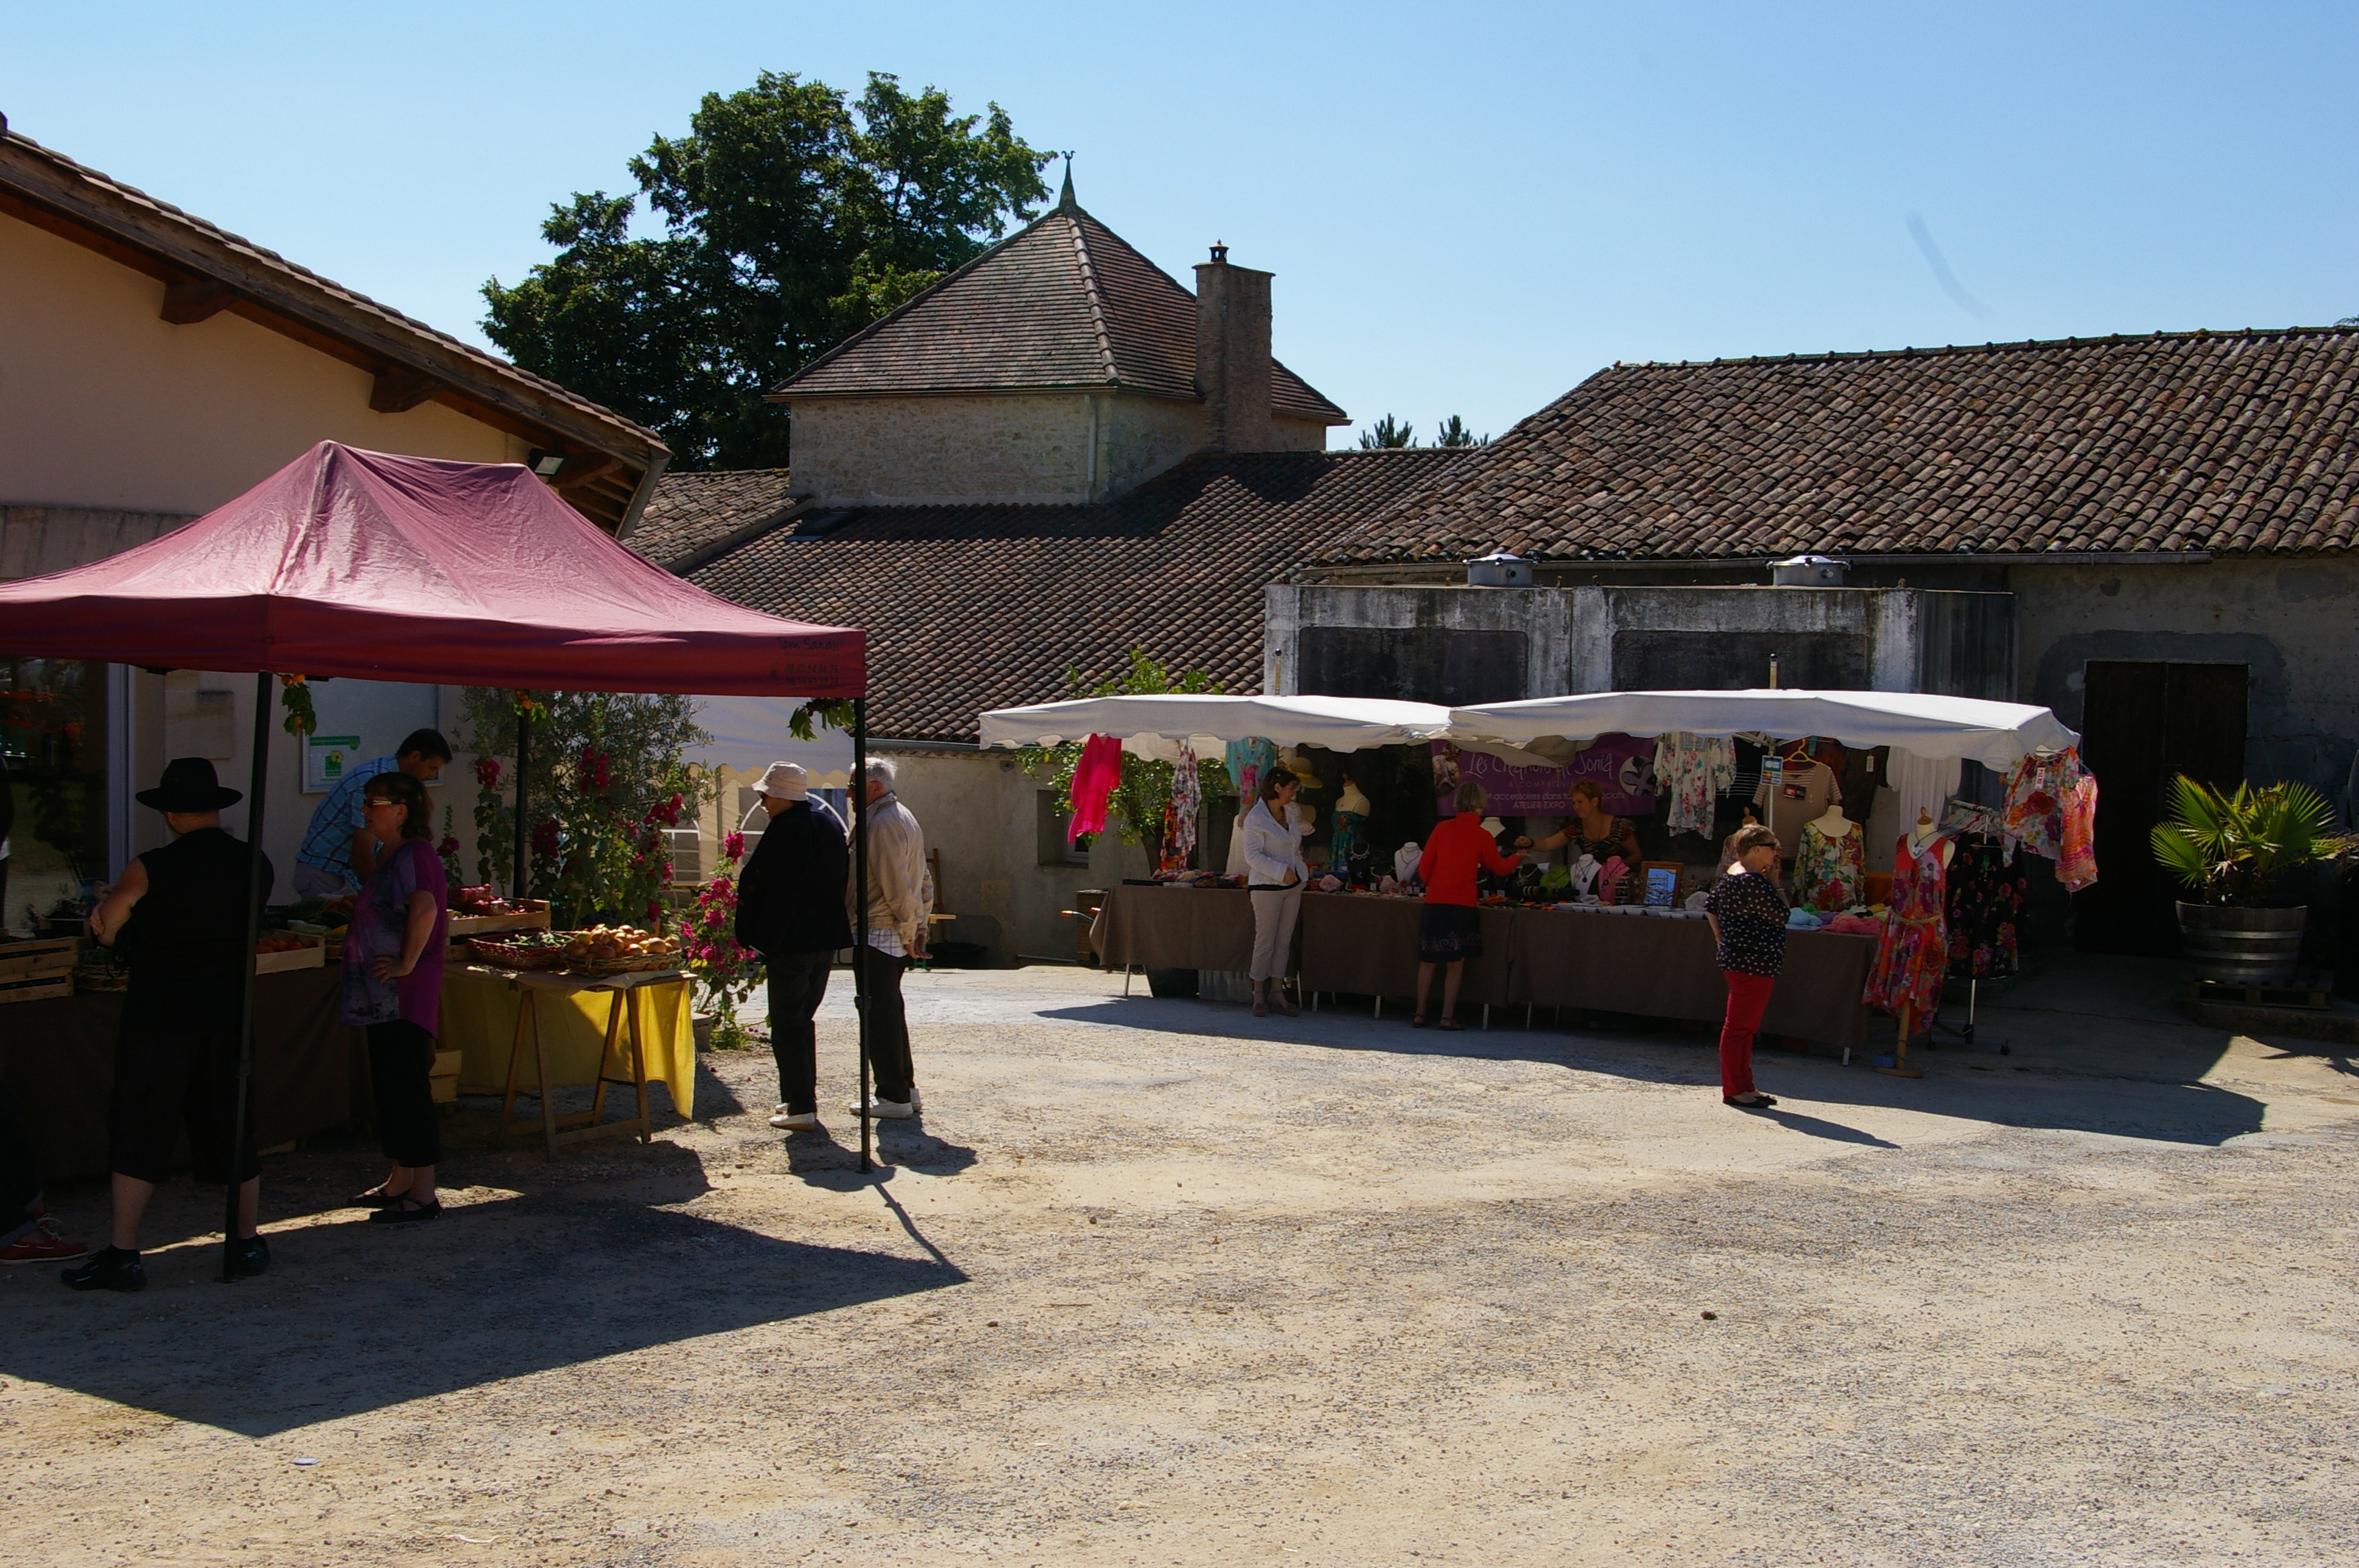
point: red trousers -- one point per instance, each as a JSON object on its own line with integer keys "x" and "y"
{"x": 1747, "y": 996}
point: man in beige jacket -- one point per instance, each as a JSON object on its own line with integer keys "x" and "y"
{"x": 900, "y": 897}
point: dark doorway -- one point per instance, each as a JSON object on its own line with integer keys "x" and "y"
{"x": 2145, "y": 722}
{"x": 1412, "y": 663}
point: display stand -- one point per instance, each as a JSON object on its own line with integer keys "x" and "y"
{"x": 581, "y": 1126}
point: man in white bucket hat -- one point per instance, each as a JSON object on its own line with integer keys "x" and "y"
{"x": 791, "y": 910}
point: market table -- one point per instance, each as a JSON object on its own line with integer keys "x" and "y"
{"x": 58, "y": 1055}
{"x": 576, "y": 1023}
{"x": 1663, "y": 968}
{"x": 1175, "y": 928}
{"x": 1365, "y": 944}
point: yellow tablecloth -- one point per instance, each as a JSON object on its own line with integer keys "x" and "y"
{"x": 479, "y": 1018}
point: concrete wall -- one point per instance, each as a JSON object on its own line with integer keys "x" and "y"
{"x": 2292, "y": 622}
{"x": 106, "y": 406}
{"x": 1883, "y": 624}
{"x": 1542, "y": 616}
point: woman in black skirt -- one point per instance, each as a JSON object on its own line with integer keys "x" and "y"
{"x": 1450, "y": 927}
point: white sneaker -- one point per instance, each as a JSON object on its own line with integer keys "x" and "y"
{"x": 888, "y": 1109}
{"x": 794, "y": 1120}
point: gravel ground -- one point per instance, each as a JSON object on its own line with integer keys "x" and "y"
{"x": 1158, "y": 1282}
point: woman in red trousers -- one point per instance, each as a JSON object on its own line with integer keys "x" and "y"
{"x": 1748, "y": 930}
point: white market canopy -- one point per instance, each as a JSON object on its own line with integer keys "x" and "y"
{"x": 1155, "y": 726}
{"x": 1995, "y": 734}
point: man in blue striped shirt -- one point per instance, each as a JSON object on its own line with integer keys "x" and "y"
{"x": 339, "y": 852}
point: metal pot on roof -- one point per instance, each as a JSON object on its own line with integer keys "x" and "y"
{"x": 1809, "y": 571}
{"x": 1499, "y": 570}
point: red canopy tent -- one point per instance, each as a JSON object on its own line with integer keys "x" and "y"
{"x": 365, "y": 563}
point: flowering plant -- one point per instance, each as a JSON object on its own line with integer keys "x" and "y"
{"x": 726, "y": 973}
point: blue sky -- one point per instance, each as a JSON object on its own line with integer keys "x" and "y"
{"x": 1469, "y": 208}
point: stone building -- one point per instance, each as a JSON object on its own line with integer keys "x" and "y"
{"x": 2152, "y": 536}
{"x": 1055, "y": 455}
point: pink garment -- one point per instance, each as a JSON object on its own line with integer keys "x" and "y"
{"x": 1094, "y": 777}
{"x": 2077, "y": 867}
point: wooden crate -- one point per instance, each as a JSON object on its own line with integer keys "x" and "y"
{"x": 35, "y": 990}
{"x": 42, "y": 960}
{"x": 313, "y": 954}
{"x": 534, "y": 918}
{"x": 444, "y": 1079}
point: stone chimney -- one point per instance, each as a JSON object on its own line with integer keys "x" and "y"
{"x": 1232, "y": 354}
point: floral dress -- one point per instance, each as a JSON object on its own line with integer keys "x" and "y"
{"x": 2037, "y": 797}
{"x": 1987, "y": 887}
{"x": 1692, "y": 771}
{"x": 1830, "y": 870}
{"x": 1914, "y": 950}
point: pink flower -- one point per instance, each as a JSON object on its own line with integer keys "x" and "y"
{"x": 733, "y": 846}
{"x": 487, "y": 771}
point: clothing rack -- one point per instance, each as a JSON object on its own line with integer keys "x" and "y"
{"x": 1963, "y": 819}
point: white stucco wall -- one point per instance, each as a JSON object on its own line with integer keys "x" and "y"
{"x": 105, "y": 405}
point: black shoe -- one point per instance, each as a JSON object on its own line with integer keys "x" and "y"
{"x": 109, "y": 1268}
{"x": 249, "y": 1256}
{"x": 407, "y": 1211}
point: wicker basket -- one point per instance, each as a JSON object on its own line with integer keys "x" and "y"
{"x": 631, "y": 964}
{"x": 509, "y": 956}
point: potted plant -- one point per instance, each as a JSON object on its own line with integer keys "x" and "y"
{"x": 2229, "y": 848}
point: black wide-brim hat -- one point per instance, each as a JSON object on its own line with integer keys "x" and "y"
{"x": 189, "y": 785}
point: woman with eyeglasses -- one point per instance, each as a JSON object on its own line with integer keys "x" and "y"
{"x": 393, "y": 988}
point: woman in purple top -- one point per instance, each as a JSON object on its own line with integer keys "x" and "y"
{"x": 393, "y": 986}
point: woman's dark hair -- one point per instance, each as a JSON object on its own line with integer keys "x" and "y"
{"x": 1272, "y": 782}
{"x": 400, "y": 789}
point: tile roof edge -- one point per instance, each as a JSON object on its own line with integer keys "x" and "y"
{"x": 2195, "y": 334}
{"x": 207, "y": 233}
{"x": 1095, "y": 298}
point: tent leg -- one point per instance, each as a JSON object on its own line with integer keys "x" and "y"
{"x": 860, "y": 908}
{"x": 524, "y": 750}
{"x": 256, "y": 791}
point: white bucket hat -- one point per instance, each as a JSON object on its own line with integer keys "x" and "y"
{"x": 788, "y": 781}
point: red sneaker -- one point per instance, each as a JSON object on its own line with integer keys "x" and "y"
{"x": 45, "y": 1243}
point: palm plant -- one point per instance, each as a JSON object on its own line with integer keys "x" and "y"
{"x": 2228, "y": 848}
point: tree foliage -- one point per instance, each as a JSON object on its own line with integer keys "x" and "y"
{"x": 1139, "y": 798}
{"x": 1455, "y": 434}
{"x": 1389, "y": 432}
{"x": 790, "y": 218}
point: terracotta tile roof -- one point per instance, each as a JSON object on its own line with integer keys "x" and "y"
{"x": 2232, "y": 441}
{"x": 973, "y": 607}
{"x": 691, "y": 514}
{"x": 49, "y": 179}
{"x": 1062, "y": 303}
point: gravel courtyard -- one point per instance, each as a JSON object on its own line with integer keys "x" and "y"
{"x": 1158, "y": 1282}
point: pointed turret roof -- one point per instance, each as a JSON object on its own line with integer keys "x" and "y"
{"x": 1062, "y": 304}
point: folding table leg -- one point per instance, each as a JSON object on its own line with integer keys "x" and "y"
{"x": 515, "y": 1062}
{"x": 638, "y": 1063}
{"x": 547, "y": 1095}
{"x": 606, "y": 1053}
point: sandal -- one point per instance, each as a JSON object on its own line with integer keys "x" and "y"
{"x": 1449, "y": 1023}
{"x": 375, "y": 1197}
{"x": 407, "y": 1210}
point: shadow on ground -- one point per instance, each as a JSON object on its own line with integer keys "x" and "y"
{"x": 495, "y": 1290}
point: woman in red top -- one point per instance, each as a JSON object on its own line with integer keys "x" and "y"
{"x": 1449, "y": 928}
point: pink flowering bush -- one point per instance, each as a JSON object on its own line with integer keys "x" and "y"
{"x": 726, "y": 974}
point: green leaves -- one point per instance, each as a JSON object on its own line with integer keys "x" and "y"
{"x": 2228, "y": 848}
{"x": 790, "y": 218}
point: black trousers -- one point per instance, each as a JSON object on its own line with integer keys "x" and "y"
{"x": 166, "y": 1080}
{"x": 20, "y": 1179}
{"x": 798, "y": 984}
{"x": 401, "y": 1062}
{"x": 888, "y": 1027}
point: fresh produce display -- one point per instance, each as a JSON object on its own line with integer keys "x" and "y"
{"x": 282, "y": 944}
{"x": 482, "y": 901}
{"x": 603, "y": 949}
{"x": 611, "y": 944}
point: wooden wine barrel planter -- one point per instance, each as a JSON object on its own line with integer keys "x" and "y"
{"x": 2234, "y": 947}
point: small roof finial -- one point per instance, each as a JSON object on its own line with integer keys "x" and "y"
{"x": 1065, "y": 202}
{"x": 1220, "y": 252}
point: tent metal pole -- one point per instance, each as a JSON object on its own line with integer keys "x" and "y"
{"x": 256, "y": 798}
{"x": 524, "y": 749}
{"x": 860, "y": 908}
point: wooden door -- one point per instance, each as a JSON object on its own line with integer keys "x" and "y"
{"x": 2144, "y": 722}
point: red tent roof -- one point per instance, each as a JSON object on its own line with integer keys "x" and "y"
{"x": 362, "y": 564}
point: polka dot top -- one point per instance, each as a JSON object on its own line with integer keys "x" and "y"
{"x": 1752, "y": 915}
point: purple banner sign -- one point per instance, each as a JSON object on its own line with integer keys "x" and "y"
{"x": 1624, "y": 770}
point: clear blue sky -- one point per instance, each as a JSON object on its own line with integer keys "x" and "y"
{"x": 1469, "y": 208}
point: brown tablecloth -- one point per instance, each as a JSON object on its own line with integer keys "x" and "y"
{"x": 1175, "y": 928}
{"x": 58, "y": 1058}
{"x": 1664, "y": 968}
{"x": 1365, "y": 945}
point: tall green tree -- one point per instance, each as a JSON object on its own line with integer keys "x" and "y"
{"x": 790, "y": 218}
{"x": 1454, "y": 433}
{"x": 1388, "y": 432}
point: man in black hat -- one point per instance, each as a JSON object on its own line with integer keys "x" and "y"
{"x": 175, "y": 1060}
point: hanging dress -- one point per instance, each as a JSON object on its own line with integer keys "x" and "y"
{"x": 2036, "y": 797}
{"x": 1987, "y": 887}
{"x": 1187, "y": 802}
{"x": 1692, "y": 771}
{"x": 1913, "y": 952}
{"x": 2076, "y": 868}
{"x": 1094, "y": 778}
{"x": 1831, "y": 868}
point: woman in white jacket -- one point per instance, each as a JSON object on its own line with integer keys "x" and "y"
{"x": 1274, "y": 873}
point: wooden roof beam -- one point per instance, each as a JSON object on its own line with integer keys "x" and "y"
{"x": 193, "y": 299}
{"x": 398, "y": 391}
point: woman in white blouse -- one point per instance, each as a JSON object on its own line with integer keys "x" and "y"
{"x": 1274, "y": 873}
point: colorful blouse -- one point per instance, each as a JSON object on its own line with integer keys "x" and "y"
{"x": 1830, "y": 870}
{"x": 1751, "y": 913}
{"x": 1693, "y": 771}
